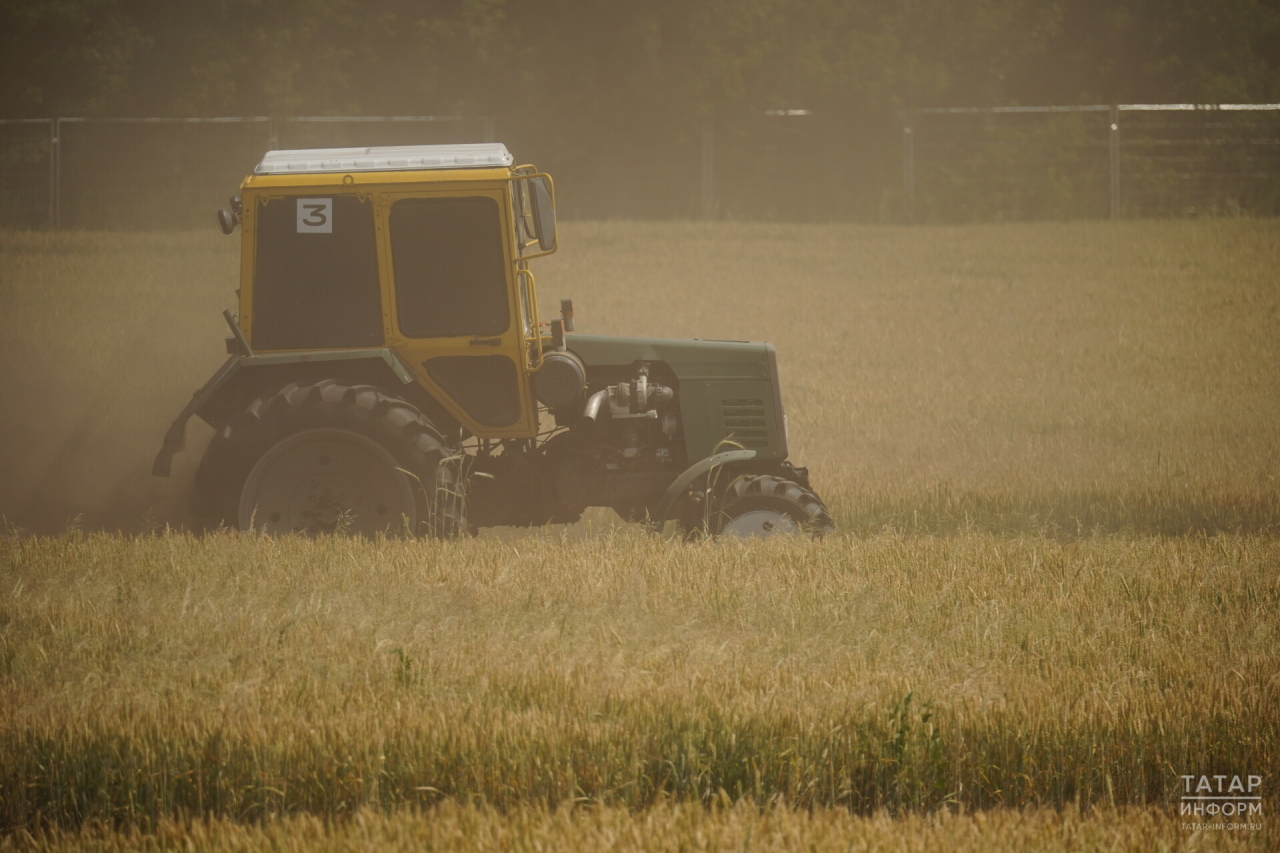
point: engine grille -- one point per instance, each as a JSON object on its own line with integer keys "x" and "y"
{"x": 744, "y": 422}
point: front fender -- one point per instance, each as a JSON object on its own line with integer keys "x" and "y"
{"x": 692, "y": 473}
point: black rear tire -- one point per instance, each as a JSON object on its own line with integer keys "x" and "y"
{"x": 330, "y": 458}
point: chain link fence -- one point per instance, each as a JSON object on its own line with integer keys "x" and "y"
{"x": 803, "y": 165}
{"x": 1195, "y": 162}
{"x": 1090, "y": 162}
{"x": 955, "y": 165}
{"x": 149, "y": 173}
{"x": 27, "y": 169}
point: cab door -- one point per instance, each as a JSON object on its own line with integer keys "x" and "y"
{"x": 454, "y": 316}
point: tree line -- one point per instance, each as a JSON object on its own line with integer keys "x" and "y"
{"x": 658, "y": 58}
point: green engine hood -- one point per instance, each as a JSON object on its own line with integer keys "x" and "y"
{"x": 727, "y": 389}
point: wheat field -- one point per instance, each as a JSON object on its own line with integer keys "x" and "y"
{"x": 1051, "y": 451}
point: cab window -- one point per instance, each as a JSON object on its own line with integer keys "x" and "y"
{"x": 315, "y": 279}
{"x": 450, "y": 275}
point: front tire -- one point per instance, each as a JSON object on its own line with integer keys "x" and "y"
{"x": 762, "y": 505}
{"x": 330, "y": 458}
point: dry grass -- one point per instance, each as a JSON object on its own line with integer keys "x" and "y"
{"x": 666, "y": 828}
{"x": 243, "y": 677}
{"x": 1000, "y": 416}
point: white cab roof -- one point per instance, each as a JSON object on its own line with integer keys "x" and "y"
{"x": 395, "y": 158}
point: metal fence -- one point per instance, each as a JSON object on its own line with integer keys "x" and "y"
{"x": 1120, "y": 161}
{"x": 164, "y": 172}
{"x": 28, "y": 169}
{"x": 956, "y": 165}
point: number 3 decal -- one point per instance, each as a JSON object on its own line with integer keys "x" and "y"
{"x": 315, "y": 216}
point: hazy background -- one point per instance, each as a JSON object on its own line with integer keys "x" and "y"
{"x": 616, "y": 100}
{"x": 1036, "y": 360}
{"x": 662, "y": 62}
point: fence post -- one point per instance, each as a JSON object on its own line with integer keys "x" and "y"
{"x": 708, "y": 185}
{"x": 909, "y": 168}
{"x": 1115, "y": 162}
{"x": 55, "y": 174}
{"x": 53, "y": 165}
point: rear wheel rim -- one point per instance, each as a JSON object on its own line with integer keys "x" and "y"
{"x": 759, "y": 523}
{"x": 327, "y": 481}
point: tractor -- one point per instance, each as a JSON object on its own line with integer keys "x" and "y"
{"x": 389, "y": 373}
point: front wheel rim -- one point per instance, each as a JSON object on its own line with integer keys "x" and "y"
{"x": 328, "y": 481}
{"x": 760, "y": 523}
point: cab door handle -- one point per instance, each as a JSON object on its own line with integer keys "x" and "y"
{"x": 486, "y": 342}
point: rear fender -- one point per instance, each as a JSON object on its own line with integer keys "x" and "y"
{"x": 226, "y": 390}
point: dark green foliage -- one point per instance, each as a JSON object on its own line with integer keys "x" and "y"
{"x": 663, "y": 59}
{"x": 905, "y": 758}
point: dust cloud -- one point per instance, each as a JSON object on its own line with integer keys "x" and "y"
{"x": 103, "y": 338}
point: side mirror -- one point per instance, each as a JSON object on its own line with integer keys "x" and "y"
{"x": 544, "y": 212}
{"x": 227, "y": 221}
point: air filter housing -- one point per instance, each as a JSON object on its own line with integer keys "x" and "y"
{"x": 560, "y": 381}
